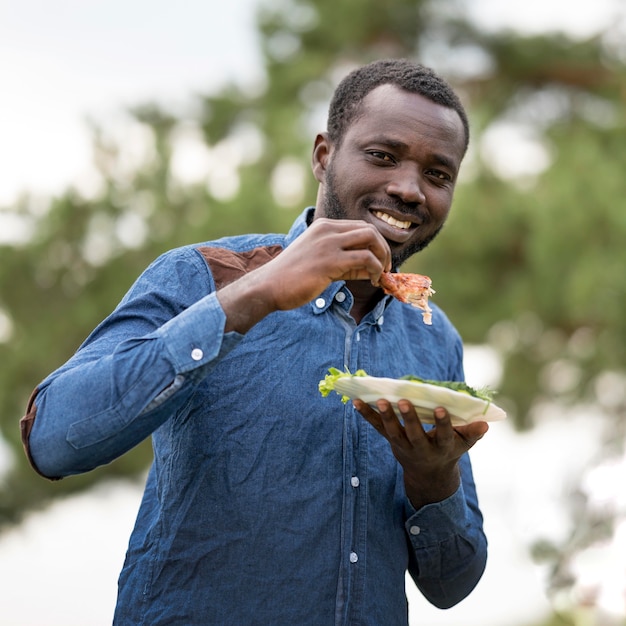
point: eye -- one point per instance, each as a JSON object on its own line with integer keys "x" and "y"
{"x": 381, "y": 156}
{"x": 440, "y": 176}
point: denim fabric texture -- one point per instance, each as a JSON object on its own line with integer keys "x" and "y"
{"x": 266, "y": 504}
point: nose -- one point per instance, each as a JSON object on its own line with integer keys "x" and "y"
{"x": 405, "y": 185}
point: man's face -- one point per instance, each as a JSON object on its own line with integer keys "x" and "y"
{"x": 396, "y": 168}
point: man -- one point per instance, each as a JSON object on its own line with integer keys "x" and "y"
{"x": 267, "y": 503}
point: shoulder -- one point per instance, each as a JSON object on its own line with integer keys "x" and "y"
{"x": 196, "y": 254}
{"x": 230, "y": 258}
{"x": 240, "y": 253}
{"x": 210, "y": 264}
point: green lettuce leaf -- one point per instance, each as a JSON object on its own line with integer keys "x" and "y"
{"x": 328, "y": 384}
{"x": 484, "y": 393}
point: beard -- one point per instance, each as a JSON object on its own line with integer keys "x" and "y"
{"x": 335, "y": 209}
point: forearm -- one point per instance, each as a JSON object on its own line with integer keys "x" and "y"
{"x": 84, "y": 419}
{"x": 245, "y": 302}
{"x": 449, "y": 547}
{"x": 423, "y": 489}
{"x": 100, "y": 405}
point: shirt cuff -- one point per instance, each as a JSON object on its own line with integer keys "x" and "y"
{"x": 437, "y": 522}
{"x": 196, "y": 336}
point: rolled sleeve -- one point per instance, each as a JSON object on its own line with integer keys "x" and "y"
{"x": 194, "y": 337}
{"x": 449, "y": 548}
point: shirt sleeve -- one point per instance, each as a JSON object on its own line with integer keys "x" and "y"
{"x": 449, "y": 547}
{"x": 137, "y": 368}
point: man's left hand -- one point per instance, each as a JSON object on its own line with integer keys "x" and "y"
{"x": 429, "y": 458}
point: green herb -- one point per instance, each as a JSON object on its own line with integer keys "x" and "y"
{"x": 484, "y": 393}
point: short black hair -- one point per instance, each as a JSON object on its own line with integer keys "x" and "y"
{"x": 345, "y": 106}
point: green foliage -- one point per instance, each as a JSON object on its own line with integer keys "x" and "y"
{"x": 534, "y": 265}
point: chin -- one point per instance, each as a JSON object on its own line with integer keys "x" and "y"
{"x": 401, "y": 255}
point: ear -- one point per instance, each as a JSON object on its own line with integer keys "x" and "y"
{"x": 322, "y": 149}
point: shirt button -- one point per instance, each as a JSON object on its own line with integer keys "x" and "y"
{"x": 354, "y": 481}
{"x": 197, "y": 354}
{"x": 340, "y": 296}
{"x": 354, "y": 557}
{"x": 415, "y": 530}
{"x": 320, "y": 303}
{"x": 381, "y": 320}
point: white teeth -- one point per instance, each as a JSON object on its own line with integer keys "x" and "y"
{"x": 392, "y": 220}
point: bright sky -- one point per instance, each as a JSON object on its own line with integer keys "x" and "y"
{"x": 65, "y": 60}
{"x": 580, "y": 19}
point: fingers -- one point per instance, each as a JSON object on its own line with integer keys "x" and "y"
{"x": 329, "y": 250}
{"x": 410, "y": 432}
{"x": 372, "y": 416}
{"x": 386, "y": 422}
{"x": 467, "y": 435}
{"x": 358, "y": 247}
{"x": 471, "y": 433}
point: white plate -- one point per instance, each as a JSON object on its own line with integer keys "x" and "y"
{"x": 462, "y": 407}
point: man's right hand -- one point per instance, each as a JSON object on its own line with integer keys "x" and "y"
{"x": 329, "y": 250}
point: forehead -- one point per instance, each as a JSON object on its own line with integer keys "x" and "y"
{"x": 409, "y": 116}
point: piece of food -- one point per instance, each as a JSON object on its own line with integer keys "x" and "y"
{"x": 465, "y": 404}
{"x": 328, "y": 384}
{"x": 484, "y": 393}
{"x": 414, "y": 289}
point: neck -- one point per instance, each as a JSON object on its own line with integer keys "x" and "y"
{"x": 366, "y": 297}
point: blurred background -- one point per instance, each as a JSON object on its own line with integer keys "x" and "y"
{"x": 127, "y": 128}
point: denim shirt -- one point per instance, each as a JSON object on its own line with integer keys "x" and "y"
{"x": 266, "y": 503}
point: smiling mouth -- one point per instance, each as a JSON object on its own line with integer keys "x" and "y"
{"x": 392, "y": 221}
